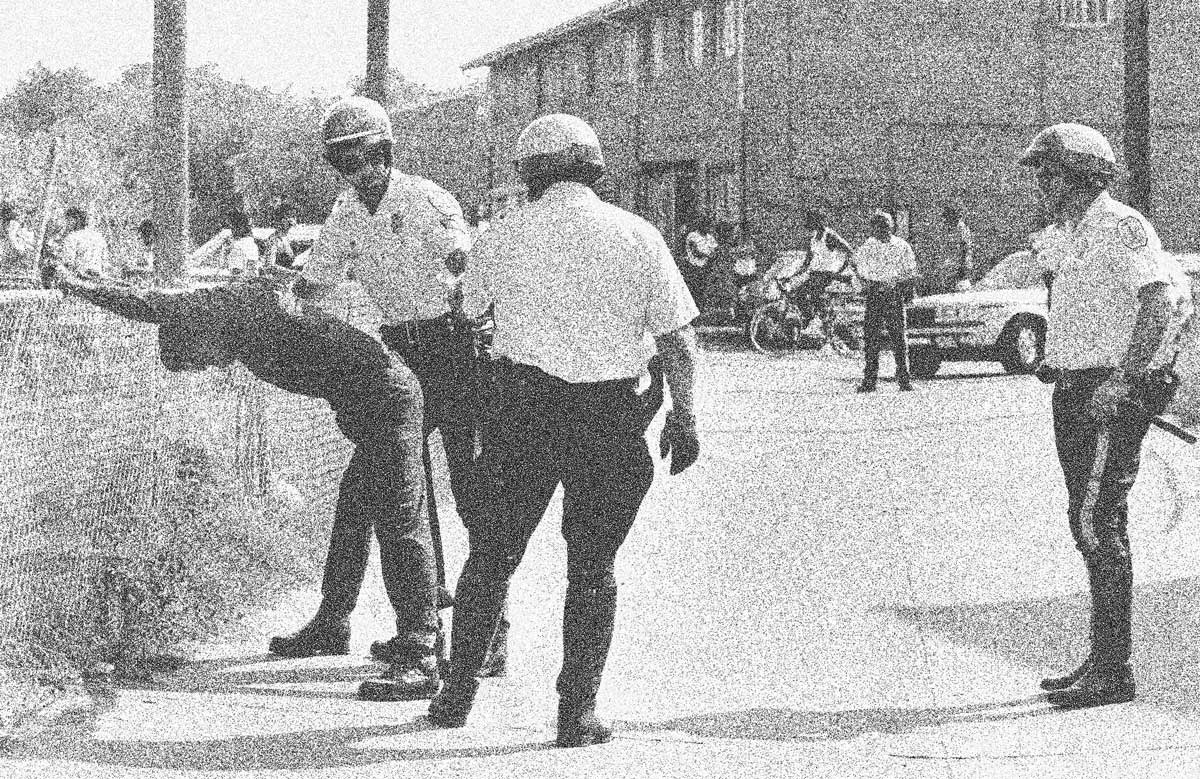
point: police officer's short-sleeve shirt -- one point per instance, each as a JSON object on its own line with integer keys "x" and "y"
{"x": 399, "y": 252}
{"x": 1099, "y": 267}
{"x": 580, "y": 287}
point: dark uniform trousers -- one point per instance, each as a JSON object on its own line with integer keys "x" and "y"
{"x": 382, "y": 490}
{"x": 884, "y": 311}
{"x": 443, "y": 358}
{"x": 590, "y": 437}
{"x": 1100, "y": 464}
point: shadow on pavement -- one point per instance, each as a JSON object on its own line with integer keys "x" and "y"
{"x": 241, "y": 675}
{"x": 792, "y": 724}
{"x": 309, "y": 750}
{"x": 1050, "y": 634}
{"x": 73, "y": 738}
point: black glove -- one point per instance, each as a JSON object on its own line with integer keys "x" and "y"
{"x": 679, "y": 440}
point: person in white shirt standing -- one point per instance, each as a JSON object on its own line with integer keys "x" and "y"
{"x": 584, "y": 294}
{"x": 700, "y": 246}
{"x": 244, "y": 258}
{"x": 84, "y": 249}
{"x": 887, "y": 267}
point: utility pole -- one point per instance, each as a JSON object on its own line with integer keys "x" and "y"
{"x": 1137, "y": 104}
{"x": 377, "y": 50}
{"x": 170, "y": 114}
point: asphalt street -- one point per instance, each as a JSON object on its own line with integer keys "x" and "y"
{"x": 844, "y": 585}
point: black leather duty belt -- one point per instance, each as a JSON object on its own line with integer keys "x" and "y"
{"x": 413, "y": 331}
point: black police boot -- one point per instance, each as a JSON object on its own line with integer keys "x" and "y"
{"x": 1100, "y": 685}
{"x": 323, "y": 635}
{"x": 495, "y": 664}
{"x": 1052, "y": 683}
{"x": 588, "y": 619}
{"x": 1063, "y": 682}
{"x": 477, "y": 606}
{"x": 387, "y": 651}
{"x": 1107, "y": 678}
{"x": 413, "y": 675}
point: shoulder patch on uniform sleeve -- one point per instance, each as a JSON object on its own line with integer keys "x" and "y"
{"x": 1132, "y": 233}
{"x": 443, "y": 201}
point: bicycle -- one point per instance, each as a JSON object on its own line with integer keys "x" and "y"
{"x": 784, "y": 322}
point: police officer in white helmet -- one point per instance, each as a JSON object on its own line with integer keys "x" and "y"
{"x": 403, "y": 237}
{"x": 1117, "y": 307}
{"x": 584, "y": 294}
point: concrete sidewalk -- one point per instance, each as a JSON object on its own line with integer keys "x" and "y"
{"x": 844, "y": 586}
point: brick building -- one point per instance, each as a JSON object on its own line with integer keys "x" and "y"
{"x": 751, "y": 109}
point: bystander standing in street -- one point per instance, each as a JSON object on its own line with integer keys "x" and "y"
{"x": 744, "y": 254}
{"x": 584, "y": 294}
{"x": 83, "y": 249}
{"x": 699, "y": 250}
{"x": 887, "y": 267}
{"x": 243, "y": 257}
{"x": 279, "y": 246}
{"x": 140, "y": 266}
{"x": 1118, "y": 307}
{"x": 959, "y": 247}
{"x": 16, "y": 243}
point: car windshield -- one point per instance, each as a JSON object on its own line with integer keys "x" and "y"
{"x": 1018, "y": 270}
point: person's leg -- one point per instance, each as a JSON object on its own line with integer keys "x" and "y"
{"x": 1102, "y": 537}
{"x": 607, "y": 472}
{"x": 898, "y": 331}
{"x": 872, "y": 327}
{"x": 328, "y": 632}
{"x": 520, "y": 480}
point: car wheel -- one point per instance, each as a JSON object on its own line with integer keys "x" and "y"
{"x": 1022, "y": 345}
{"x": 923, "y": 363}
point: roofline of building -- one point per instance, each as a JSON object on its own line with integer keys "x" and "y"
{"x": 589, "y": 19}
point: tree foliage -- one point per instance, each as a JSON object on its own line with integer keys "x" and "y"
{"x": 249, "y": 146}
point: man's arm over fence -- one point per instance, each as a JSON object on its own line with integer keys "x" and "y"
{"x": 121, "y": 299}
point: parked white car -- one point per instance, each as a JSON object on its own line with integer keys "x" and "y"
{"x": 1002, "y": 318}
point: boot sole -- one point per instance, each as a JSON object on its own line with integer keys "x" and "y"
{"x": 583, "y": 740}
{"x": 385, "y": 691}
{"x": 1071, "y": 702}
{"x": 324, "y": 651}
{"x": 447, "y": 721}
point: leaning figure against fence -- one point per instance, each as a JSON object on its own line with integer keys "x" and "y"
{"x": 378, "y": 405}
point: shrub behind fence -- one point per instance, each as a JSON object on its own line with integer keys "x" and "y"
{"x": 139, "y": 508}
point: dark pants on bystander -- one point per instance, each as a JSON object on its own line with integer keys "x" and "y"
{"x": 884, "y": 311}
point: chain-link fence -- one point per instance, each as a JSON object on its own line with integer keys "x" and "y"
{"x": 140, "y": 508}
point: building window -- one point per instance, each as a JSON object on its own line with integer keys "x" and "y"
{"x": 695, "y": 51}
{"x": 631, "y": 54}
{"x": 1084, "y": 13}
{"x": 658, "y": 45}
{"x": 591, "y": 64}
{"x": 729, "y": 34}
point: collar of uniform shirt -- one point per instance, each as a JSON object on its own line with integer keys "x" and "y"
{"x": 566, "y": 192}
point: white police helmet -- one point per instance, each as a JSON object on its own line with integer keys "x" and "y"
{"x": 555, "y": 142}
{"x": 1076, "y": 147}
{"x": 356, "y": 119}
